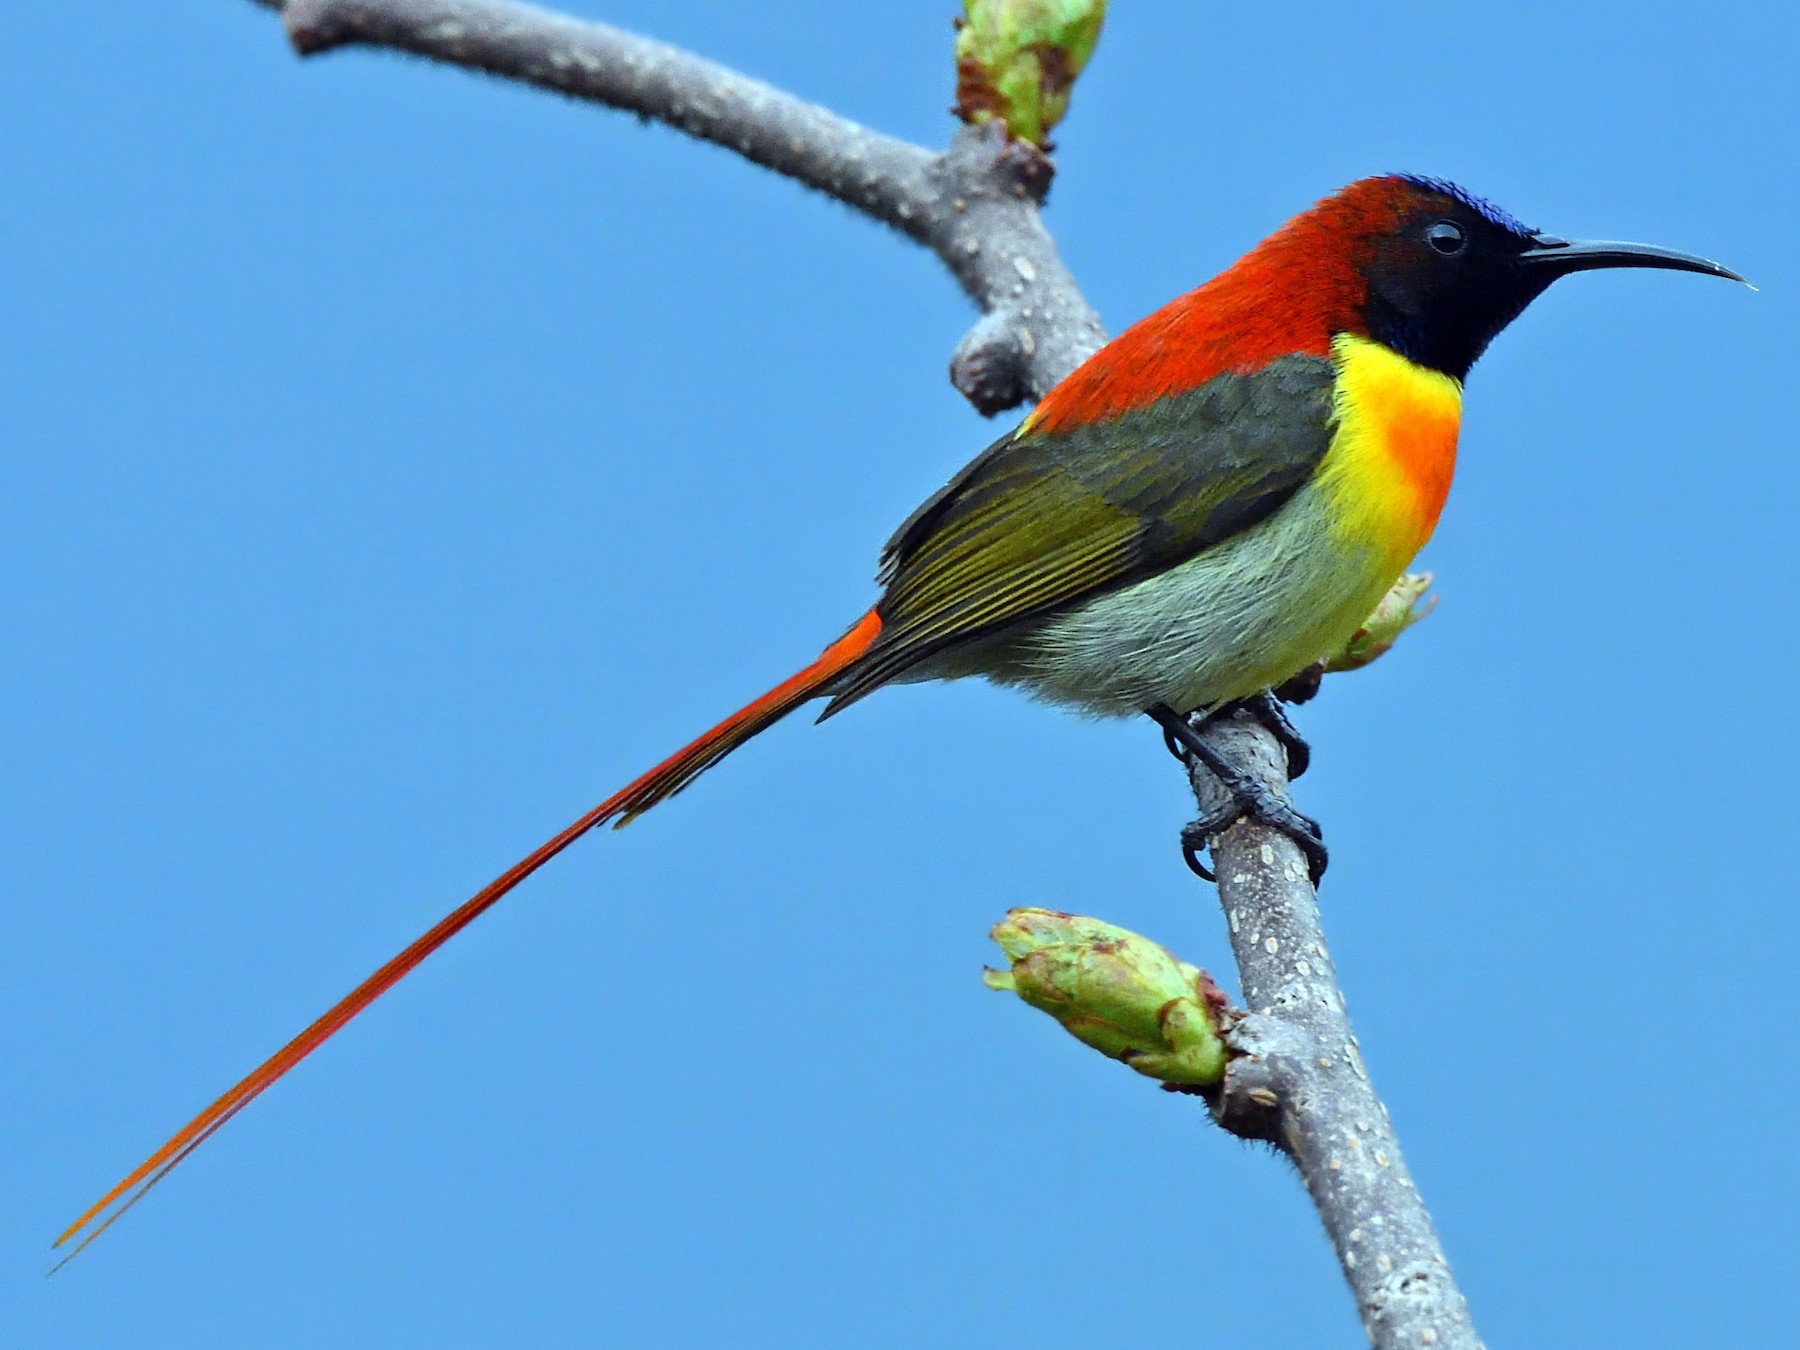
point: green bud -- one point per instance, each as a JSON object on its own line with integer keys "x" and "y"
{"x": 1126, "y": 996}
{"x": 1398, "y": 611}
{"x": 1016, "y": 60}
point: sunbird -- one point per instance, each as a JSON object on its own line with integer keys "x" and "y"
{"x": 1209, "y": 504}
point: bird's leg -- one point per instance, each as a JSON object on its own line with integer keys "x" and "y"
{"x": 1194, "y": 721}
{"x": 1196, "y": 832}
{"x": 1250, "y": 795}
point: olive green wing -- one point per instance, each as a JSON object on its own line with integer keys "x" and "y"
{"x": 1040, "y": 522}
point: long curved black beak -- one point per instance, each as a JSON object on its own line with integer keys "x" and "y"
{"x": 1559, "y": 257}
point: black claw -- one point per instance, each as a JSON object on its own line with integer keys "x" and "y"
{"x": 1305, "y": 833}
{"x": 1191, "y": 856}
{"x": 1195, "y": 836}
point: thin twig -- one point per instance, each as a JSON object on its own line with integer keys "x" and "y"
{"x": 1299, "y": 1081}
{"x": 975, "y": 205}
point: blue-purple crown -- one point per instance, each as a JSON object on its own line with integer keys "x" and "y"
{"x": 1480, "y": 205}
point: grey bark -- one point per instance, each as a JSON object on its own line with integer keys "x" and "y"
{"x": 1301, "y": 1083}
{"x": 1299, "y": 1080}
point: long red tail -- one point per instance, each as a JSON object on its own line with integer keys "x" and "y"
{"x": 665, "y": 780}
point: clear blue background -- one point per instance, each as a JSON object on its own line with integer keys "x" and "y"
{"x": 395, "y": 461}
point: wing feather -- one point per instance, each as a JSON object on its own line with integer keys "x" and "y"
{"x": 1042, "y": 521}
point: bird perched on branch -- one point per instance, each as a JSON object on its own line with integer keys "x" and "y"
{"x": 1213, "y": 501}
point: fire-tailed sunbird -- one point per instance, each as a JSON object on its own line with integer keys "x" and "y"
{"x": 1206, "y": 506}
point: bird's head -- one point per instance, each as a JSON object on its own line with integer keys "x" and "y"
{"x": 1417, "y": 264}
{"x": 1443, "y": 271}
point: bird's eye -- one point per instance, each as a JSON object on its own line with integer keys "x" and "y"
{"x": 1447, "y": 238}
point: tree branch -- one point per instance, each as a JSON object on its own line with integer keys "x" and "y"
{"x": 1301, "y": 1084}
{"x": 975, "y": 205}
{"x": 1299, "y": 1080}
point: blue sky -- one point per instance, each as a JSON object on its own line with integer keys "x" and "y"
{"x": 396, "y": 461}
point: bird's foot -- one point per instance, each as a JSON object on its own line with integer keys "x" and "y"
{"x": 1250, "y": 796}
{"x": 1265, "y": 708}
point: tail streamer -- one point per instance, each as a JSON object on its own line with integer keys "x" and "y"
{"x": 631, "y": 801}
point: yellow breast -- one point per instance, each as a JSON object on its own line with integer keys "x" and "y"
{"x": 1392, "y": 456}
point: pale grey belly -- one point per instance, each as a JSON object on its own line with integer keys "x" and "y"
{"x": 1239, "y": 618}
